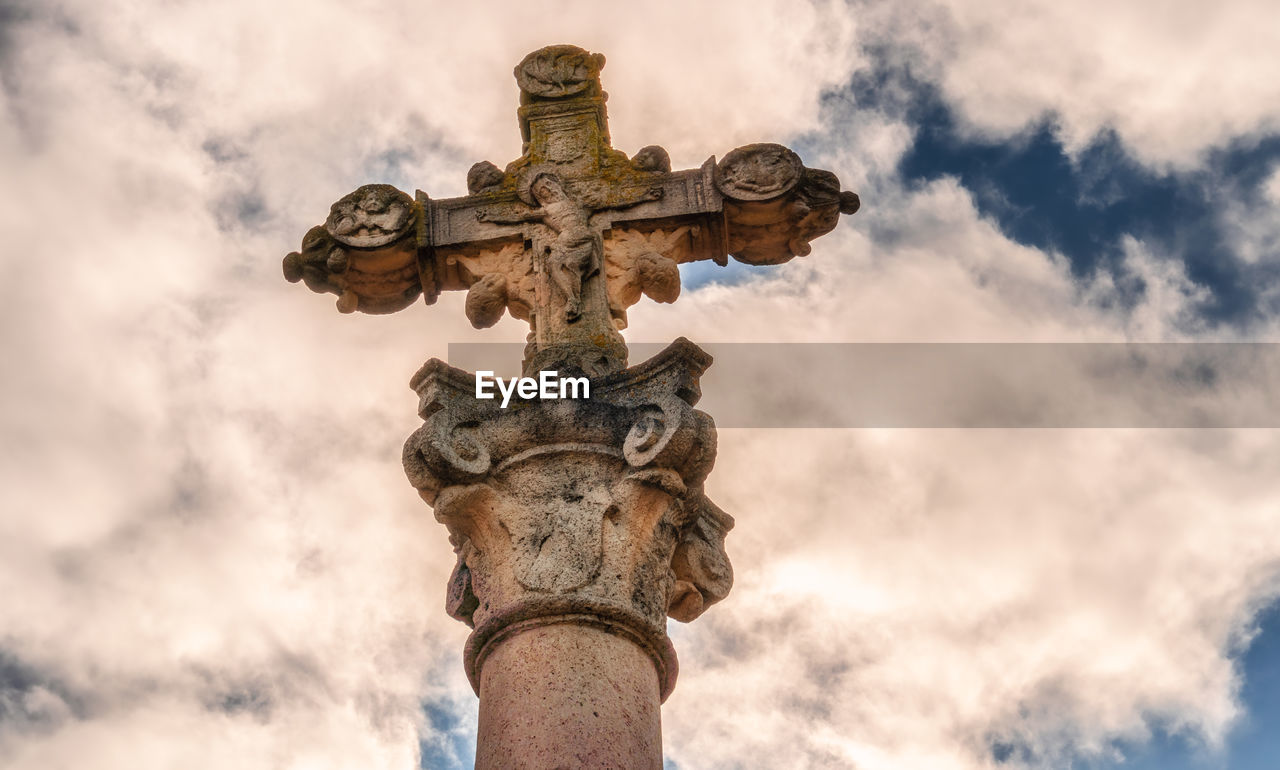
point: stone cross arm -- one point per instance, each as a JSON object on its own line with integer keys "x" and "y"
{"x": 572, "y": 233}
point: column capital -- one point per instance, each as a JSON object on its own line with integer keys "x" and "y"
{"x": 586, "y": 511}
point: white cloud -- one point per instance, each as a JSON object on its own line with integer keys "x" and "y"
{"x": 1251, "y": 219}
{"x": 920, "y": 597}
{"x": 1173, "y": 80}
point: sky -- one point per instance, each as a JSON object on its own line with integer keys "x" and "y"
{"x": 210, "y": 556}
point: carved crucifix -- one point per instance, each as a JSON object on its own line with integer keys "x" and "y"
{"x": 573, "y": 232}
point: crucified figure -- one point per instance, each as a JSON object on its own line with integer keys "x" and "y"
{"x": 575, "y": 254}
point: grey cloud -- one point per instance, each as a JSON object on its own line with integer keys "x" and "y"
{"x": 33, "y": 699}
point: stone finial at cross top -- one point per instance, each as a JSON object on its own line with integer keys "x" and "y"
{"x": 572, "y": 233}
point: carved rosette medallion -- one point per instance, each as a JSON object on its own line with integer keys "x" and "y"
{"x": 581, "y": 511}
{"x": 774, "y": 205}
{"x": 365, "y": 252}
{"x": 758, "y": 172}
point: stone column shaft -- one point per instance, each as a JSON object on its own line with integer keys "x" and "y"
{"x": 569, "y": 694}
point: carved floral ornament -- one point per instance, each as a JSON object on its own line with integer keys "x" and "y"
{"x": 558, "y": 71}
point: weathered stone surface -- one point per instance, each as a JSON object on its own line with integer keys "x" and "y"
{"x": 567, "y": 508}
{"x": 574, "y": 231}
{"x": 574, "y": 694}
{"x": 639, "y": 262}
{"x": 483, "y": 176}
{"x": 558, "y": 71}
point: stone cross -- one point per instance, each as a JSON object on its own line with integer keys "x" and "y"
{"x": 573, "y": 232}
{"x": 578, "y": 526}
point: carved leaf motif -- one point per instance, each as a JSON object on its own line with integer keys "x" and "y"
{"x": 513, "y": 264}
{"x": 501, "y": 260}
{"x": 671, "y": 244}
{"x": 460, "y": 601}
{"x": 638, "y": 262}
{"x": 701, "y": 566}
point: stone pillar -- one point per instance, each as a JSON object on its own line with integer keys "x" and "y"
{"x": 579, "y": 526}
{"x": 569, "y": 691}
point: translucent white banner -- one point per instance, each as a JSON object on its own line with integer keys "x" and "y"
{"x": 975, "y": 385}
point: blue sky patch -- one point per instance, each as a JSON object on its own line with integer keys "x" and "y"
{"x": 1083, "y": 206}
